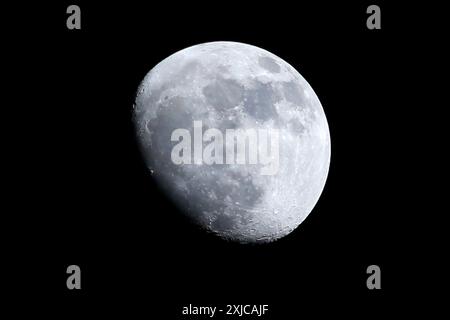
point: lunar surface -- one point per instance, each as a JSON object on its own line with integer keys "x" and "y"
{"x": 229, "y": 85}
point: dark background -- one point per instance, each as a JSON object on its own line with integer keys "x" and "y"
{"x": 84, "y": 196}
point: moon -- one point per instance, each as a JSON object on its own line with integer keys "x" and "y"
{"x": 231, "y": 85}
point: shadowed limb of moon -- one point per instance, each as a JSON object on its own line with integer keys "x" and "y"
{"x": 229, "y": 85}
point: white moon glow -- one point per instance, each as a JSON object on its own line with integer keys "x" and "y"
{"x": 229, "y": 85}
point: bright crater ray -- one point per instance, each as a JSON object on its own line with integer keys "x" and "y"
{"x": 229, "y": 85}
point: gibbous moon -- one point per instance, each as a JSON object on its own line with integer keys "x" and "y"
{"x": 191, "y": 103}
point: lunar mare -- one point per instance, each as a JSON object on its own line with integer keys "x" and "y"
{"x": 229, "y": 85}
